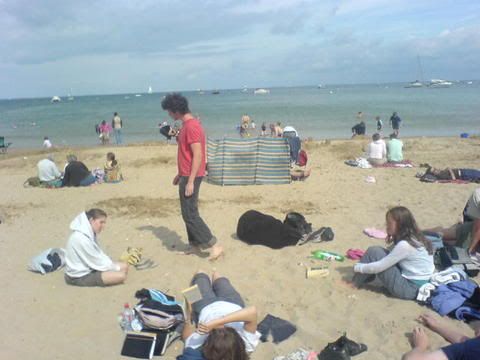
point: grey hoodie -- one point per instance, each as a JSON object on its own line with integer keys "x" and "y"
{"x": 83, "y": 254}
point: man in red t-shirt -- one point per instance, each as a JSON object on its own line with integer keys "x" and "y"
{"x": 191, "y": 169}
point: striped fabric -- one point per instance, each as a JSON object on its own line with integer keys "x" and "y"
{"x": 254, "y": 161}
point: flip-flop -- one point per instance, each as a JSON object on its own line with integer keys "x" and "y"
{"x": 355, "y": 254}
{"x": 147, "y": 264}
{"x": 375, "y": 233}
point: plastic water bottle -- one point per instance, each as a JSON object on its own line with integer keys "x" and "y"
{"x": 127, "y": 317}
{"x": 327, "y": 255}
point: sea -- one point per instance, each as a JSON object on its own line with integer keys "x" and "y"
{"x": 318, "y": 112}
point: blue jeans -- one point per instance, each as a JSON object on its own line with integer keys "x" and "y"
{"x": 118, "y": 136}
{"x": 89, "y": 180}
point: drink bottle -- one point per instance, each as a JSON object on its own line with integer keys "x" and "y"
{"x": 327, "y": 255}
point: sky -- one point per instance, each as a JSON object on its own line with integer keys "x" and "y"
{"x": 116, "y": 46}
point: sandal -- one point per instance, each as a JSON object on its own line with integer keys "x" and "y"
{"x": 147, "y": 264}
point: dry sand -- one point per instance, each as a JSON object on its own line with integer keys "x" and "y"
{"x": 43, "y": 318}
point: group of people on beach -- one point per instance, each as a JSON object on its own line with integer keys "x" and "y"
{"x": 220, "y": 326}
{"x": 360, "y": 128}
{"x": 379, "y": 152}
{"x": 104, "y": 129}
{"x": 247, "y": 126}
{"x": 75, "y": 173}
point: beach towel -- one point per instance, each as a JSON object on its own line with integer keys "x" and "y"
{"x": 402, "y": 164}
{"x": 250, "y": 161}
{"x": 375, "y": 233}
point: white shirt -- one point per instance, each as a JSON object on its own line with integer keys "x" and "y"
{"x": 47, "y": 170}
{"x": 415, "y": 263}
{"x": 217, "y": 310}
{"x": 47, "y": 144}
{"x": 377, "y": 150}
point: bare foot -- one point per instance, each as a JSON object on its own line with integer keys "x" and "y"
{"x": 420, "y": 339}
{"x": 215, "y": 275}
{"x": 215, "y": 252}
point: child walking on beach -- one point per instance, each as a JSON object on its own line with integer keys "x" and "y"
{"x": 407, "y": 266}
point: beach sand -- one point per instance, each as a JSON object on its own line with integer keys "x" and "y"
{"x": 43, "y": 318}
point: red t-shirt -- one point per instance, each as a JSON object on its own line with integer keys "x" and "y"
{"x": 190, "y": 133}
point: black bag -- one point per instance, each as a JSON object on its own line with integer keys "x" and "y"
{"x": 256, "y": 228}
{"x": 458, "y": 257}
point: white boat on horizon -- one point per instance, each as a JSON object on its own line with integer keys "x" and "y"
{"x": 414, "y": 84}
{"x": 261, "y": 91}
{"x": 55, "y": 99}
{"x": 439, "y": 83}
{"x": 150, "y": 90}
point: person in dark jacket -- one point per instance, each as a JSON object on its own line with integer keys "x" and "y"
{"x": 359, "y": 129}
{"x": 76, "y": 173}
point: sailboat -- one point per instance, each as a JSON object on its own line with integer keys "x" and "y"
{"x": 150, "y": 90}
{"x": 417, "y": 83}
{"x": 70, "y": 96}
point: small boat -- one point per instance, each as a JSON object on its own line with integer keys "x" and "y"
{"x": 439, "y": 83}
{"x": 319, "y": 86}
{"x": 55, "y": 99}
{"x": 261, "y": 91}
{"x": 470, "y": 82}
{"x": 200, "y": 91}
{"x": 138, "y": 95}
{"x": 216, "y": 92}
{"x": 414, "y": 84}
{"x": 150, "y": 90}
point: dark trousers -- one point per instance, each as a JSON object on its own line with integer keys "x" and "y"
{"x": 198, "y": 232}
{"x": 220, "y": 290}
{"x": 391, "y": 278}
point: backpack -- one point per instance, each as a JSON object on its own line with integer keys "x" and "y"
{"x": 160, "y": 314}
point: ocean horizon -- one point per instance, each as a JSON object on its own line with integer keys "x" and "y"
{"x": 326, "y": 112}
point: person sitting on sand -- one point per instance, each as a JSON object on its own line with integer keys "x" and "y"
{"x": 48, "y": 172}
{"x": 394, "y": 149}
{"x": 404, "y": 268}
{"x": 85, "y": 262}
{"x": 466, "y": 234}
{"x": 76, "y": 173}
{"x": 359, "y": 129}
{"x": 221, "y": 307}
{"x": 112, "y": 169}
{"x": 377, "y": 151}
{"x": 299, "y": 174}
{"x": 462, "y": 347}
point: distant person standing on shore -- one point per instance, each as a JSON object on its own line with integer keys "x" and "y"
{"x": 264, "y": 129}
{"x": 395, "y": 122}
{"x": 191, "y": 170}
{"x": 117, "y": 128}
{"x": 47, "y": 144}
{"x": 105, "y": 130}
{"x": 379, "y": 123}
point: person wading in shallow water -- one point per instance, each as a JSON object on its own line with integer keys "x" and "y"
{"x": 191, "y": 170}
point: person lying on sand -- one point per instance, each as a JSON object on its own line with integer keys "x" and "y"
{"x": 220, "y": 311}
{"x": 462, "y": 347}
{"x": 472, "y": 175}
{"x": 404, "y": 268}
{"x": 466, "y": 234}
{"x": 85, "y": 262}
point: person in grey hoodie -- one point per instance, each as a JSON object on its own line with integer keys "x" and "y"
{"x": 86, "y": 263}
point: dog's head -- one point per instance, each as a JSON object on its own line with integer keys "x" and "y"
{"x": 298, "y": 221}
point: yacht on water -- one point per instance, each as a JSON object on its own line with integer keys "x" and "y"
{"x": 261, "y": 91}
{"x": 150, "y": 90}
{"x": 414, "y": 84}
{"x": 439, "y": 83}
{"x": 55, "y": 99}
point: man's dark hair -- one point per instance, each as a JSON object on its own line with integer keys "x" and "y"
{"x": 95, "y": 214}
{"x": 176, "y": 103}
{"x": 376, "y": 137}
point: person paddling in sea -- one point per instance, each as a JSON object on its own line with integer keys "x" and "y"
{"x": 191, "y": 170}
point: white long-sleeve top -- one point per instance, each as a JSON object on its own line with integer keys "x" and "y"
{"x": 83, "y": 254}
{"x": 47, "y": 170}
{"x": 377, "y": 150}
{"x": 414, "y": 263}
